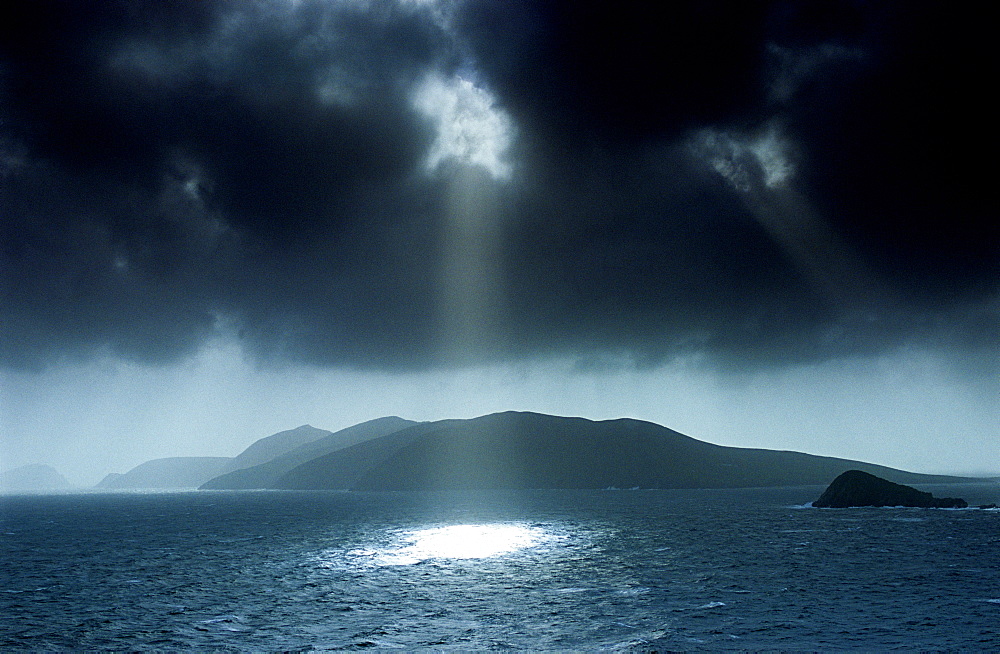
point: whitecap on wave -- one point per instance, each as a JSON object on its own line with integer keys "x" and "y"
{"x": 232, "y": 623}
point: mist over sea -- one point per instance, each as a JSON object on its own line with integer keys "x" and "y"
{"x": 581, "y": 570}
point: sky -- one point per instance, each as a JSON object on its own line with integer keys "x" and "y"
{"x": 762, "y": 224}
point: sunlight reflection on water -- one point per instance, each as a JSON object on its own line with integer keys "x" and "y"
{"x": 563, "y": 571}
{"x": 466, "y": 541}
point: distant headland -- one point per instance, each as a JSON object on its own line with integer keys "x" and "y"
{"x": 33, "y": 477}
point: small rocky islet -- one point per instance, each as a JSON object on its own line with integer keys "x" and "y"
{"x": 855, "y": 488}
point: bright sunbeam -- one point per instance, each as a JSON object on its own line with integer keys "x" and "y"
{"x": 471, "y": 129}
{"x": 473, "y": 135}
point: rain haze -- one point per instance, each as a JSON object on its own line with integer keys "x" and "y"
{"x": 762, "y": 224}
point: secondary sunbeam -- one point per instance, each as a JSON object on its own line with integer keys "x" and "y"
{"x": 747, "y": 162}
{"x": 760, "y": 167}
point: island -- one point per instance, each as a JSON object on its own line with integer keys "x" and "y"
{"x": 514, "y": 450}
{"x": 858, "y": 488}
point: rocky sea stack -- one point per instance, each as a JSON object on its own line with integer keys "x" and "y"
{"x": 857, "y": 488}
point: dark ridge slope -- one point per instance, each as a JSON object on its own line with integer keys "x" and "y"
{"x": 528, "y": 450}
{"x": 343, "y": 469}
{"x": 265, "y": 449}
{"x": 266, "y": 474}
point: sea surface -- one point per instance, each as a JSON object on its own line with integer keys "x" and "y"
{"x": 543, "y": 570}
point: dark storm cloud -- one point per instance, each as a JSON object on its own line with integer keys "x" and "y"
{"x": 756, "y": 183}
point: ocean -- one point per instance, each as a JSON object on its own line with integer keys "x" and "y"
{"x": 619, "y": 570}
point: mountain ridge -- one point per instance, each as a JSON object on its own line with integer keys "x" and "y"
{"x": 268, "y": 448}
{"x": 504, "y": 450}
{"x": 263, "y": 475}
{"x": 520, "y": 450}
{"x": 171, "y": 472}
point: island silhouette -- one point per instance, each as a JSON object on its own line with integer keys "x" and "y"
{"x": 507, "y": 450}
{"x": 859, "y": 488}
{"x": 523, "y": 450}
